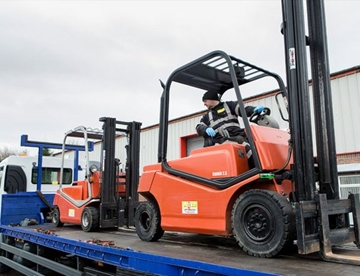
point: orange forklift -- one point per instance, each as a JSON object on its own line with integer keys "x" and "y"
{"x": 107, "y": 197}
{"x": 288, "y": 196}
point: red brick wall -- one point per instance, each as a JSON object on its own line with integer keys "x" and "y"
{"x": 348, "y": 158}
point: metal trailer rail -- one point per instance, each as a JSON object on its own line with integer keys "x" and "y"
{"x": 129, "y": 261}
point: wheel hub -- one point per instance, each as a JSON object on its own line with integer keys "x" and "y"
{"x": 257, "y": 223}
{"x": 145, "y": 221}
{"x": 85, "y": 220}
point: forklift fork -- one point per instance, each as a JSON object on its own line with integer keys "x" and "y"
{"x": 332, "y": 237}
{"x": 315, "y": 234}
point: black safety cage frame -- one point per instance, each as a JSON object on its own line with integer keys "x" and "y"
{"x": 217, "y": 71}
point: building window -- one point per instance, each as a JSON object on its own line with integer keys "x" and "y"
{"x": 349, "y": 184}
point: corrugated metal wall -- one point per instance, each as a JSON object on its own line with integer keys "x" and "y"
{"x": 346, "y": 104}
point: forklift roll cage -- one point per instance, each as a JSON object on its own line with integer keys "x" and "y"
{"x": 218, "y": 72}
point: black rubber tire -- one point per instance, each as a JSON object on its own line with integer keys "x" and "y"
{"x": 263, "y": 223}
{"x": 147, "y": 222}
{"x": 55, "y": 218}
{"x": 90, "y": 219}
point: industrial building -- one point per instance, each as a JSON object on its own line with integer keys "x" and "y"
{"x": 345, "y": 87}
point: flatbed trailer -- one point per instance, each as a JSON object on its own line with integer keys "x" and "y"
{"x": 70, "y": 251}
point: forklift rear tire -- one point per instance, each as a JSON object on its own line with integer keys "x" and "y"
{"x": 147, "y": 222}
{"x": 90, "y": 219}
{"x": 55, "y": 218}
{"x": 263, "y": 223}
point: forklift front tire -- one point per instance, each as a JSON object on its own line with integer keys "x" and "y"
{"x": 147, "y": 222}
{"x": 90, "y": 219}
{"x": 263, "y": 223}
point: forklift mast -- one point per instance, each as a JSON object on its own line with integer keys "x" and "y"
{"x": 299, "y": 99}
{"x": 323, "y": 111}
{"x": 321, "y": 217}
{"x": 114, "y": 210}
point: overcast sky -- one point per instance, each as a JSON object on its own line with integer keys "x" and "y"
{"x": 68, "y": 63}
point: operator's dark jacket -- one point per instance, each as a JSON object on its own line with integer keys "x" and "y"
{"x": 223, "y": 118}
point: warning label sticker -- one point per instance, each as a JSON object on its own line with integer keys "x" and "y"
{"x": 189, "y": 207}
{"x": 292, "y": 60}
{"x": 71, "y": 213}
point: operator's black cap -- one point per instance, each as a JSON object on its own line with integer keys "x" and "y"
{"x": 210, "y": 95}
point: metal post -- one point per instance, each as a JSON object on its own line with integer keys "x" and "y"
{"x": 108, "y": 159}
{"x": 323, "y": 111}
{"x": 108, "y": 205}
{"x": 39, "y": 168}
{"x": 299, "y": 102}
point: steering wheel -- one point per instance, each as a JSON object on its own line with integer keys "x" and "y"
{"x": 254, "y": 118}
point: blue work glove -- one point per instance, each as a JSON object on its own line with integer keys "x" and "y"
{"x": 210, "y": 131}
{"x": 259, "y": 109}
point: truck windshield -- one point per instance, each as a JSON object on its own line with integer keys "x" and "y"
{"x": 52, "y": 176}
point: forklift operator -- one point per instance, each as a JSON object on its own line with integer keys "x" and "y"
{"x": 221, "y": 124}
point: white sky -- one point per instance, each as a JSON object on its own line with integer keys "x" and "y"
{"x": 68, "y": 63}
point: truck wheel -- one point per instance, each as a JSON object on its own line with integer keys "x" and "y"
{"x": 90, "y": 219}
{"x": 263, "y": 222}
{"x": 147, "y": 222}
{"x": 55, "y": 218}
